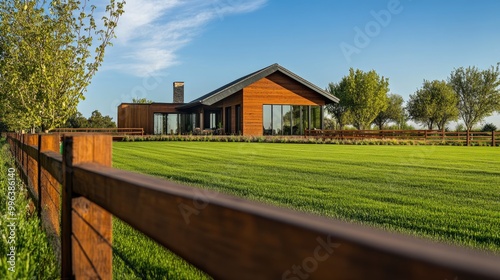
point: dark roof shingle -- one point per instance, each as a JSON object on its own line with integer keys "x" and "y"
{"x": 238, "y": 84}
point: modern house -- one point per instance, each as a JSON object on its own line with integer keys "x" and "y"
{"x": 270, "y": 101}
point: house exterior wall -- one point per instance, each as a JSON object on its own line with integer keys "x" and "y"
{"x": 276, "y": 88}
{"x": 232, "y": 101}
{"x": 142, "y": 115}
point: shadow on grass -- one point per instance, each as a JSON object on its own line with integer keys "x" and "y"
{"x": 135, "y": 256}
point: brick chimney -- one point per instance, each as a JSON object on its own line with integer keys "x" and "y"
{"x": 178, "y": 92}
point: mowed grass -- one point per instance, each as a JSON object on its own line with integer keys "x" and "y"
{"x": 450, "y": 194}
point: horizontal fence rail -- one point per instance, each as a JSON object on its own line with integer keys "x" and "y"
{"x": 226, "y": 236}
{"x": 111, "y": 131}
{"x": 421, "y": 135}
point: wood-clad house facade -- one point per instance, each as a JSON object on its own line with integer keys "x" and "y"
{"x": 271, "y": 101}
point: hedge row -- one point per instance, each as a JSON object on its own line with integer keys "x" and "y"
{"x": 296, "y": 140}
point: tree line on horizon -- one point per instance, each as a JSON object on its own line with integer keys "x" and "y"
{"x": 469, "y": 95}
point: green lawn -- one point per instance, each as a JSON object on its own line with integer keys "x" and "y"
{"x": 451, "y": 194}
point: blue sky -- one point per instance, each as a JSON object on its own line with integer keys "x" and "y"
{"x": 208, "y": 43}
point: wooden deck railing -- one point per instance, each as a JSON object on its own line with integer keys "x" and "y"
{"x": 225, "y": 236}
{"x": 424, "y": 135}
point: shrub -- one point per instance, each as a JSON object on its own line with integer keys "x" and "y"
{"x": 489, "y": 127}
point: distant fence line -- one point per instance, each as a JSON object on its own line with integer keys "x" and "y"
{"x": 225, "y": 236}
{"x": 424, "y": 135}
{"x": 110, "y": 131}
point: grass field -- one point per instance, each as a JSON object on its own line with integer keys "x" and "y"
{"x": 450, "y": 194}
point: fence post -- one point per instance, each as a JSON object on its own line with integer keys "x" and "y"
{"x": 33, "y": 166}
{"x": 25, "y": 158}
{"x": 21, "y": 152}
{"x": 86, "y": 228}
{"x": 16, "y": 136}
{"x": 31, "y": 173}
{"x": 493, "y": 144}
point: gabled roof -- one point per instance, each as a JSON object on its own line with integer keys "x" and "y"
{"x": 238, "y": 84}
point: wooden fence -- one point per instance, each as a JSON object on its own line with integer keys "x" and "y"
{"x": 116, "y": 132}
{"x": 491, "y": 138}
{"x": 225, "y": 236}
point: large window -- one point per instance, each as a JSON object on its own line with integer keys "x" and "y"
{"x": 160, "y": 123}
{"x": 227, "y": 127}
{"x": 213, "y": 120}
{"x": 174, "y": 123}
{"x": 188, "y": 122}
{"x": 239, "y": 120}
{"x": 305, "y": 119}
{"x": 290, "y": 119}
{"x": 277, "y": 120}
{"x": 287, "y": 119}
{"x": 297, "y": 124}
{"x": 268, "y": 121}
{"x": 316, "y": 117}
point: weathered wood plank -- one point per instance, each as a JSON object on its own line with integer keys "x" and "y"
{"x": 231, "y": 238}
{"x": 52, "y": 163}
{"x": 77, "y": 242}
{"x": 31, "y": 149}
{"x": 91, "y": 236}
{"x": 49, "y": 188}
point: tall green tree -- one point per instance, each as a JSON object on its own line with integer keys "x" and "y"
{"x": 77, "y": 120}
{"x": 434, "y": 104}
{"x": 364, "y": 96}
{"x": 47, "y": 58}
{"x": 402, "y": 122}
{"x": 477, "y": 92}
{"x": 339, "y": 111}
{"x": 97, "y": 120}
{"x": 393, "y": 112}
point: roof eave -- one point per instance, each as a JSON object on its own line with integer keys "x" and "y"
{"x": 218, "y": 96}
{"x": 308, "y": 84}
{"x": 252, "y": 78}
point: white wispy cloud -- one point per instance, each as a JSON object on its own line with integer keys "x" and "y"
{"x": 151, "y": 32}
